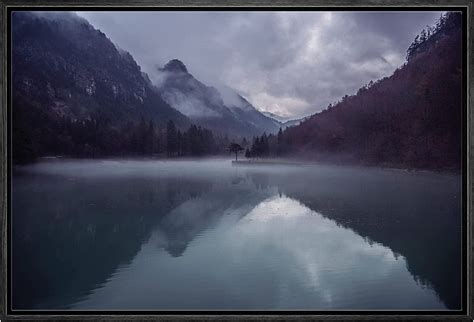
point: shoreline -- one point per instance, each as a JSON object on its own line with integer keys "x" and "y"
{"x": 391, "y": 167}
{"x": 248, "y": 162}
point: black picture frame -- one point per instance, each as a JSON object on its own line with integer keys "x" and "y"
{"x": 466, "y": 6}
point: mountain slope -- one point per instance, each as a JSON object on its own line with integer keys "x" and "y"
{"x": 412, "y": 118}
{"x": 290, "y": 123}
{"x": 222, "y": 110}
{"x": 284, "y": 122}
{"x": 276, "y": 117}
{"x": 65, "y": 69}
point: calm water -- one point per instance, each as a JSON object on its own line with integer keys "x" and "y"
{"x": 205, "y": 235}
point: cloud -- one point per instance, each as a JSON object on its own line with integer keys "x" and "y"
{"x": 289, "y": 63}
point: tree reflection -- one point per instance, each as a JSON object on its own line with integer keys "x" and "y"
{"x": 70, "y": 234}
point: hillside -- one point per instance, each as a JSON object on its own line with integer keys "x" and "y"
{"x": 284, "y": 122}
{"x": 76, "y": 93}
{"x": 67, "y": 73}
{"x": 275, "y": 117}
{"x": 410, "y": 119}
{"x": 221, "y": 110}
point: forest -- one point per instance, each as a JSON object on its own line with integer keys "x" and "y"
{"x": 96, "y": 138}
{"x": 412, "y": 119}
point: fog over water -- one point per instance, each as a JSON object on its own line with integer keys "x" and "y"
{"x": 203, "y": 234}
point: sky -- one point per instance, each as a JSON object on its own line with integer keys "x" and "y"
{"x": 289, "y": 63}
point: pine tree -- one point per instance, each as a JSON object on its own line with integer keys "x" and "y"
{"x": 247, "y": 153}
{"x": 280, "y": 142}
{"x": 171, "y": 138}
{"x": 150, "y": 138}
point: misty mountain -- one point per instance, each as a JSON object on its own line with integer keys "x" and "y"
{"x": 64, "y": 73}
{"x": 290, "y": 123}
{"x": 411, "y": 119}
{"x": 276, "y": 117}
{"x": 221, "y": 110}
{"x": 65, "y": 67}
{"x": 284, "y": 122}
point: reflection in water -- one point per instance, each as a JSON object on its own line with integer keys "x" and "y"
{"x": 280, "y": 255}
{"x": 205, "y": 235}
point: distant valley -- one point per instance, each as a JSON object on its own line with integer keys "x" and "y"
{"x": 75, "y": 93}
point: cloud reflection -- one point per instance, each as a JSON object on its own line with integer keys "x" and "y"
{"x": 281, "y": 255}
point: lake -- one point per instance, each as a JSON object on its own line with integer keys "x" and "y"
{"x": 206, "y": 235}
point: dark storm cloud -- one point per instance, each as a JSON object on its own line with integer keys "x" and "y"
{"x": 289, "y": 63}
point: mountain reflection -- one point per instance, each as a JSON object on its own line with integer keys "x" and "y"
{"x": 279, "y": 249}
{"x": 206, "y": 235}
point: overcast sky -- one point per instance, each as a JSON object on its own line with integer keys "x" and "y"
{"x": 289, "y": 63}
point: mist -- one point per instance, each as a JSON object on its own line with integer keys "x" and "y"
{"x": 290, "y": 63}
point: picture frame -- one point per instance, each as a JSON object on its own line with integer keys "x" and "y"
{"x": 466, "y": 6}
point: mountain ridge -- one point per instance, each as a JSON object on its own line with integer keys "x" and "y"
{"x": 221, "y": 109}
{"x": 75, "y": 92}
{"x": 68, "y": 45}
{"x": 410, "y": 119}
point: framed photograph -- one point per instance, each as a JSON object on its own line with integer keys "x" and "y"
{"x": 205, "y": 160}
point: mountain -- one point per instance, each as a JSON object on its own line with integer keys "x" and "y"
{"x": 411, "y": 119}
{"x": 276, "y": 117}
{"x": 284, "y": 122}
{"x": 221, "y": 110}
{"x": 295, "y": 122}
{"x": 68, "y": 77}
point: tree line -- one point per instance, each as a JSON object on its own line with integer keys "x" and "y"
{"x": 445, "y": 24}
{"x": 96, "y": 137}
{"x": 411, "y": 119}
{"x": 196, "y": 141}
{"x": 267, "y": 145}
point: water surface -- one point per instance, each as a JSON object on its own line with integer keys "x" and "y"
{"x": 147, "y": 234}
